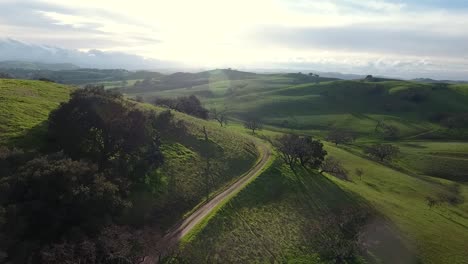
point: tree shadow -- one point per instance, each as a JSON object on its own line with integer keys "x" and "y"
{"x": 34, "y": 138}
{"x": 353, "y": 217}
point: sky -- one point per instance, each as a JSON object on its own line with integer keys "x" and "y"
{"x": 417, "y": 38}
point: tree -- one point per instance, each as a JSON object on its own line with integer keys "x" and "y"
{"x": 340, "y": 137}
{"x": 300, "y": 150}
{"x": 253, "y": 124}
{"x": 386, "y": 130}
{"x": 190, "y": 105}
{"x": 100, "y": 126}
{"x": 220, "y": 116}
{"x": 310, "y": 152}
{"x": 382, "y": 151}
{"x": 334, "y": 166}
{"x": 287, "y": 147}
{"x": 52, "y": 197}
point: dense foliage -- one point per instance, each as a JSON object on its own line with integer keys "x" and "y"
{"x": 101, "y": 149}
{"x": 99, "y": 125}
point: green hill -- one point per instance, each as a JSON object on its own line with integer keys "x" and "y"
{"x": 24, "y": 109}
{"x": 25, "y": 105}
{"x": 354, "y": 105}
{"x": 279, "y": 218}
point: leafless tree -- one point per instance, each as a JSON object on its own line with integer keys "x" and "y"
{"x": 253, "y": 124}
{"x": 220, "y": 116}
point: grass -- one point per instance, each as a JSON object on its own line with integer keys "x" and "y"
{"x": 25, "y": 106}
{"x": 278, "y": 216}
{"x": 448, "y": 160}
{"x": 438, "y": 235}
{"x": 271, "y": 220}
{"x": 275, "y": 219}
{"x": 180, "y": 185}
{"x": 182, "y": 182}
{"x": 353, "y": 105}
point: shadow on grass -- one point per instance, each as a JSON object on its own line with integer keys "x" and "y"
{"x": 350, "y": 222}
{"x": 322, "y": 220}
{"x": 31, "y": 139}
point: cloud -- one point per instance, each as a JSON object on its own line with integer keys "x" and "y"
{"x": 247, "y": 33}
{"x": 16, "y": 50}
{"x": 369, "y": 39}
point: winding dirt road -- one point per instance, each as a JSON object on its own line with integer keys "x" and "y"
{"x": 173, "y": 236}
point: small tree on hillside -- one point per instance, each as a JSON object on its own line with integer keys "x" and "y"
{"x": 220, "y": 116}
{"x": 382, "y": 151}
{"x": 253, "y": 124}
{"x": 340, "y": 137}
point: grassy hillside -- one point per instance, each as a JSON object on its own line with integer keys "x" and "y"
{"x": 284, "y": 100}
{"x": 25, "y": 105}
{"x": 182, "y": 182}
{"x": 276, "y": 218}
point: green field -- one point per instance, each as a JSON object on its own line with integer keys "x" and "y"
{"x": 273, "y": 219}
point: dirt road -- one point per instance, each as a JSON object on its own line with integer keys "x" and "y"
{"x": 171, "y": 239}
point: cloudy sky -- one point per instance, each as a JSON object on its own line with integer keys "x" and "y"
{"x": 414, "y": 38}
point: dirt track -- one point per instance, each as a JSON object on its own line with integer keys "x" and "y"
{"x": 172, "y": 237}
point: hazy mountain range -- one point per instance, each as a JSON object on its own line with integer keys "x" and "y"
{"x": 13, "y": 50}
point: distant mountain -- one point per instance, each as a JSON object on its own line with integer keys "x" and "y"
{"x": 37, "y": 66}
{"x": 13, "y": 50}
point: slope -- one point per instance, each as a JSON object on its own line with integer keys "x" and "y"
{"x": 285, "y": 101}
{"x": 24, "y": 106}
{"x": 179, "y": 185}
{"x": 281, "y": 216}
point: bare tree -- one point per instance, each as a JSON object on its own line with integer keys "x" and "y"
{"x": 340, "y": 137}
{"x": 220, "y": 116}
{"x": 253, "y": 124}
{"x": 382, "y": 151}
{"x": 334, "y": 166}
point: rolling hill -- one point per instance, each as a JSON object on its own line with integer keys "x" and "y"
{"x": 24, "y": 109}
{"x": 291, "y": 102}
